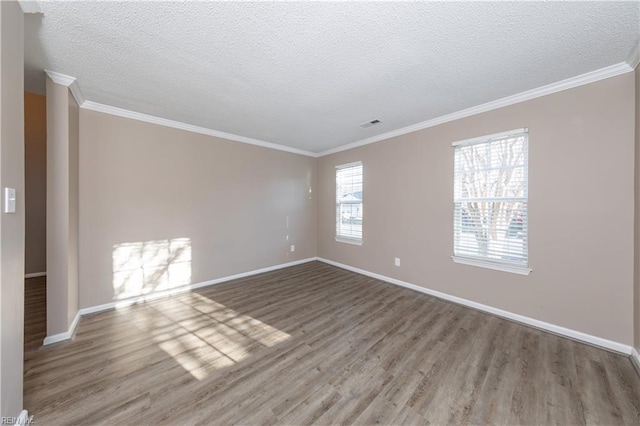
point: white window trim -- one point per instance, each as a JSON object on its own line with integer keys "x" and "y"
{"x": 347, "y": 165}
{"x": 481, "y": 262}
{"x": 492, "y": 137}
{"x": 341, "y": 238}
{"x": 354, "y": 241}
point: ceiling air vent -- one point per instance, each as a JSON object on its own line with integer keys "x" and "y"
{"x": 370, "y": 123}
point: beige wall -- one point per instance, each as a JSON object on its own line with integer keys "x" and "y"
{"x": 581, "y": 209}
{"x": 62, "y": 208}
{"x": 35, "y": 146}
{"x": 161, "y": 207}
{"x": 636, "y": 320}
{"x": 11, "y": 225}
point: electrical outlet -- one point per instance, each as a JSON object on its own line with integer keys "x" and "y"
{"x": 293, "y": 248}
{"x": 397, "y": 261}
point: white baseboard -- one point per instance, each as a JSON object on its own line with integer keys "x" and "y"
{"x": 555, "y": 329}
{"x": 35, "y": 275}
{"x": 161, "y": 294}
{"x": 23, "y": 419}
{"x": 55, "y": 338}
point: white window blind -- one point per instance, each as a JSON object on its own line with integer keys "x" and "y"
{"x": 349, "y": 201}
{"x": 490, "y": 201}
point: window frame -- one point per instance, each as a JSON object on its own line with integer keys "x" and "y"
{"x": 485, "y": 261}
{"x": 348, "y": 239}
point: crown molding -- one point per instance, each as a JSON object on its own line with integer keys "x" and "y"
{"x": 58, "y": 78}
{"x": 30, "y": 6}
{"x": 634, "y": 56}
{"x": 70, "y": 82}
{"x": 94, "y": 106}
{"x": 77, "y": 94}
{"x": 569, "y": 83}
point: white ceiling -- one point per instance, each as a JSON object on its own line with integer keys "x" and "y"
{"x": 306, "y": 75}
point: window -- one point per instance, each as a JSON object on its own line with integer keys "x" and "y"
{"x": 349, "y": 203}
{"x": 490, "y": 201}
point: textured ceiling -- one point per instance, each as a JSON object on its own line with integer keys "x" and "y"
{"x": 306, "y": 75}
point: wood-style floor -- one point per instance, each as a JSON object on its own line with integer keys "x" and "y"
{"x": 317, "y": 344}
{"x": 35, "y": 308}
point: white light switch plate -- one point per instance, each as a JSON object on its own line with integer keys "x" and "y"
{"x": 9, "y": 200}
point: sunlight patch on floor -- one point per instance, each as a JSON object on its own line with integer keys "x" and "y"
{"x": 211, "y": 336}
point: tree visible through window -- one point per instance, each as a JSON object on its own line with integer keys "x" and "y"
{"x": 490, "y": 198}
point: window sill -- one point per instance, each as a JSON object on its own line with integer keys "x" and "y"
{"x": 522, "y": 270}
{"x": 349, "y": 241}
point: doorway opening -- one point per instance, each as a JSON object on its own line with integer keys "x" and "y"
{"x": 35, "y": 290}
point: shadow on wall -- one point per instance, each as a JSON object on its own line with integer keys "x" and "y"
{"x": 141, "y": 268}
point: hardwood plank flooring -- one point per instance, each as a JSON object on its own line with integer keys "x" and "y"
{"x": 35, "y": 312}
{"x": 314, "y": 344}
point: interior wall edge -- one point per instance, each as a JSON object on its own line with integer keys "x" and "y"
{"x": 60, "y": 337}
